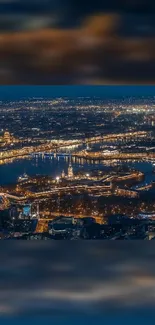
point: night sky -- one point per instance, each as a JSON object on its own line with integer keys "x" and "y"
{"x": 19, "y": 92}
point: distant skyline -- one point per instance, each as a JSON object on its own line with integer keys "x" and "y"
{"x": 21, "y": 92}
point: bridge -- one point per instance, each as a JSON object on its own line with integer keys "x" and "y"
{"x": 111, "y": 156}
{"x": 54, "y": 145}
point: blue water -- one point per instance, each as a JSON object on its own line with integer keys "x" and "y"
{"x": 51, "y": 166}
{"x": 146, "y": 168}
{"x": 48, "y": 165}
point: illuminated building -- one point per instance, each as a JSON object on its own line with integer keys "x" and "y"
{"x": 26, "y": 212}
{"x": 63, "y": 174}
{"x": 70, "y": 171}
{"x": 30, "y": 211}
{"x": 88, "y": 146}
{"x": 23, "y": 177}
{"x": 7, "y": 137}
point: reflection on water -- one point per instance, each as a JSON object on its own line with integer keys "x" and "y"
{"x": 44, "y": 165}
{"x": 147, "y": 169}
{"x": 54, "y": 165}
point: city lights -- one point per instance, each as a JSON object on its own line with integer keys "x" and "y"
{"x": 84, "y": 166}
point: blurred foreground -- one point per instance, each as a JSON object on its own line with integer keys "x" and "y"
{"x": 72, "y": 43}
{"x": 90, "y": 280}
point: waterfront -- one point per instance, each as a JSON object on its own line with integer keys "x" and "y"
{"x": 53, "y": 166}
{"x": 81, "y": 168}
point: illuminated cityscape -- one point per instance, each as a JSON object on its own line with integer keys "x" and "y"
{"x": 77, "y": 168}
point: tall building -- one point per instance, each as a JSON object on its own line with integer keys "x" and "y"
{"x": 70, "y": 171}
{"x": 88, "y": 146}
{"x": 7, "y": 137}
{"x": 63, "y": 174}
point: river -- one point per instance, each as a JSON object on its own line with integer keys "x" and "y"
{"x": 53, "y": 166}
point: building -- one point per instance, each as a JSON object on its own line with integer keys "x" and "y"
{"x": 63, "y": 174}
{"x": 88, "y": 148}
{"x": 67, "y": 227}
{"x": 23, "y": 178}
{"x": 7, "y": 137}
{"x": 30, "y": 212}
{"x": 70, "y": 171}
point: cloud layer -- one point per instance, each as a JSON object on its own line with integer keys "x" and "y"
{"x": 88, "y": 279}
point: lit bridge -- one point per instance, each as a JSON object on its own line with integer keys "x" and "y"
{"x": 54, "y": 145}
